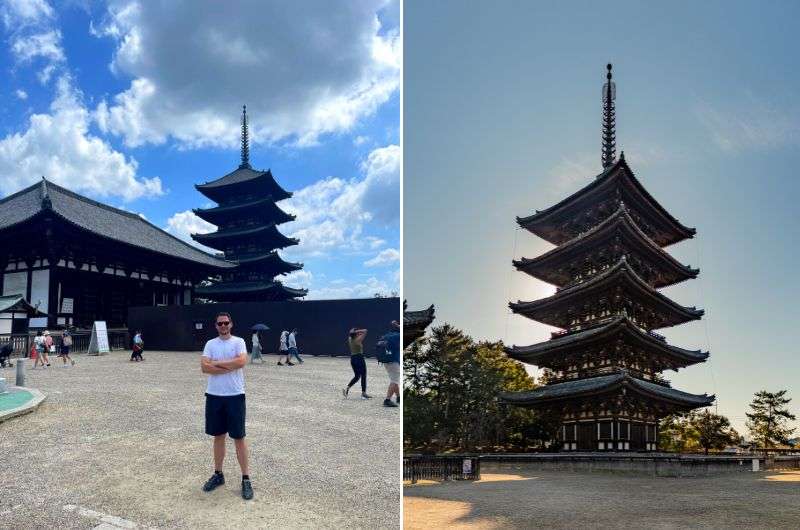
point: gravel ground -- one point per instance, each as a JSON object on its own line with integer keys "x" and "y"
{"x": 549, "y": 499}
{"x": 126, "y": 440}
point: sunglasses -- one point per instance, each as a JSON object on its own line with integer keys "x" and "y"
{"x": 224, "y": 323}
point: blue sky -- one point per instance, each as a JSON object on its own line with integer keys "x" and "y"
{"x": 132, "y": 103}
{"x": 503, "y": 115}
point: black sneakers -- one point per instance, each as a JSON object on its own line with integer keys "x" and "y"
{"x": 247, "y": 489}
{"x": 217, "y": 479}
{"x": 389, "y": 403}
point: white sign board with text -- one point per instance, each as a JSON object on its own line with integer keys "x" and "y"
{"x": 98, "y": 344}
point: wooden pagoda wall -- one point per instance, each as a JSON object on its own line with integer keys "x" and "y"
{"x": 322, "y": 324}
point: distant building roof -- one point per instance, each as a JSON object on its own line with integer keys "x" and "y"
{"x": 17, "y": 303}
{"x": 415, "y": 322}
{"x": 99, "y": 219}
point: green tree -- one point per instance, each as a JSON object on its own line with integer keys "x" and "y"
{"x": 769, "y": 418}
{"x": 714, "y": 431}
{"x": 678, "y": 433}
{"x": 451, "y": 389}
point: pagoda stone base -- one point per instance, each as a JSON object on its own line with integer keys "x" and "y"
{"x": 608, "y": 434}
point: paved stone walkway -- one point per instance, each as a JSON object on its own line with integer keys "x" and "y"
{"x": 119, "y": 444}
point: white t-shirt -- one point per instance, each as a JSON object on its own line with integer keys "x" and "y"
{"x": 292, "y": 343}
{"x": 231, "y": 383}
{"x": 284, "y": 334}
{"x": 255, "y": 340}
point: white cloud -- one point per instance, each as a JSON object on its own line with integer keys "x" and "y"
{"x": 59, "y": 146}
{"x": 33, "y": 40}
{"x": 20, "y": 13}
{"x": 298, "y": 279}
{"x": 751, "y": 124}
{"x": 350, "y": 66}
{"x": 46, "y": 45}
{"x": 21, "y": 94}
{"x": 384, "y": 258}
{"x": 331, "y": 213}
{"x": 183, "y": 224}
{"x": 344, "y": 289}
{"x": 360, "y": 140}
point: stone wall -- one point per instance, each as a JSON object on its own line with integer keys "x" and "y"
{"x": 668, "y": 465}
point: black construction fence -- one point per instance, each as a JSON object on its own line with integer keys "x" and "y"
{"x": 438, "y": 467}
{"x": 322, "y": 325}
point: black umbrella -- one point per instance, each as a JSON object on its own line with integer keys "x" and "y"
{"x": 260, "y": 327}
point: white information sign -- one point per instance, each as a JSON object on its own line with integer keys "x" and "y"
{"x": 466, "y": 466}
{"x": 66, "y": 305}
{"x": 98, "y": 344}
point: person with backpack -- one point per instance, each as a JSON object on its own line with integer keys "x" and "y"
{"x": 66, "y": 344}
{"x": 391, "y": 362}
{"x": 41, "y": 354}
{"x": 355, "y": 341}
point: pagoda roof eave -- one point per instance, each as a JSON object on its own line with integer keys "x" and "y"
{"x": 270, "y": 256}
{"x": 538, "y": 266}
{"x": 222, "y": 288}
{"x": 221, "y": 212}
{"x": 540, "y": 216}
{"x": 570, "y": 390}
{"x": 540, "y": 351}
{"x": 622, "y": 270}
{"x": 215, "y": 239}
{"x": 243, "y": 177}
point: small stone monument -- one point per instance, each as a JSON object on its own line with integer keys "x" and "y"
{"x": 21, "y": 372}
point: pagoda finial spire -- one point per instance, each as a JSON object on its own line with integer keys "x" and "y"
{"x": 245, "y": 140}
{"x": 609, "y": 120}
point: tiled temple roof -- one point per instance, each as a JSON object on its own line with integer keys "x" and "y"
{"x": 99, "y": 219}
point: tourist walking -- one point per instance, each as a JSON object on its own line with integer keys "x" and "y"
{"x": 283, "y": 348}
{"x": 41, "y": 354}
{"x": 223, "y": 359}
{"x": 138, "y": 347}
{"x": 355, "y": 341}
{"x": 291, "y": 342}
{"x": 256, "y": 338}
{"x": 49, "y": 346}
{"x": 392, "y": 343}
{"x": 64, "y": 347}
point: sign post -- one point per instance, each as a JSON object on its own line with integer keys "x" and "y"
{"x": 98, "y": 344}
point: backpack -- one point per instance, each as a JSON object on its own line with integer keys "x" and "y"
{"x": 383, "y": 355}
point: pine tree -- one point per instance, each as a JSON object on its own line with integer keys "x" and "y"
{"x": 768, "y": 421}
{"x": 714, "y": 431}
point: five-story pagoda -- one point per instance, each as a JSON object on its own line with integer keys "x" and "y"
{"x": 604, "y": 365}
{"x": 247, "y": 220}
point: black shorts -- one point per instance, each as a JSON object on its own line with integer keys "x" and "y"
{"x": 225, "y": 414}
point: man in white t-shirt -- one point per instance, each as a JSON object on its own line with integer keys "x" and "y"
{"x": 223, "y": 359}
